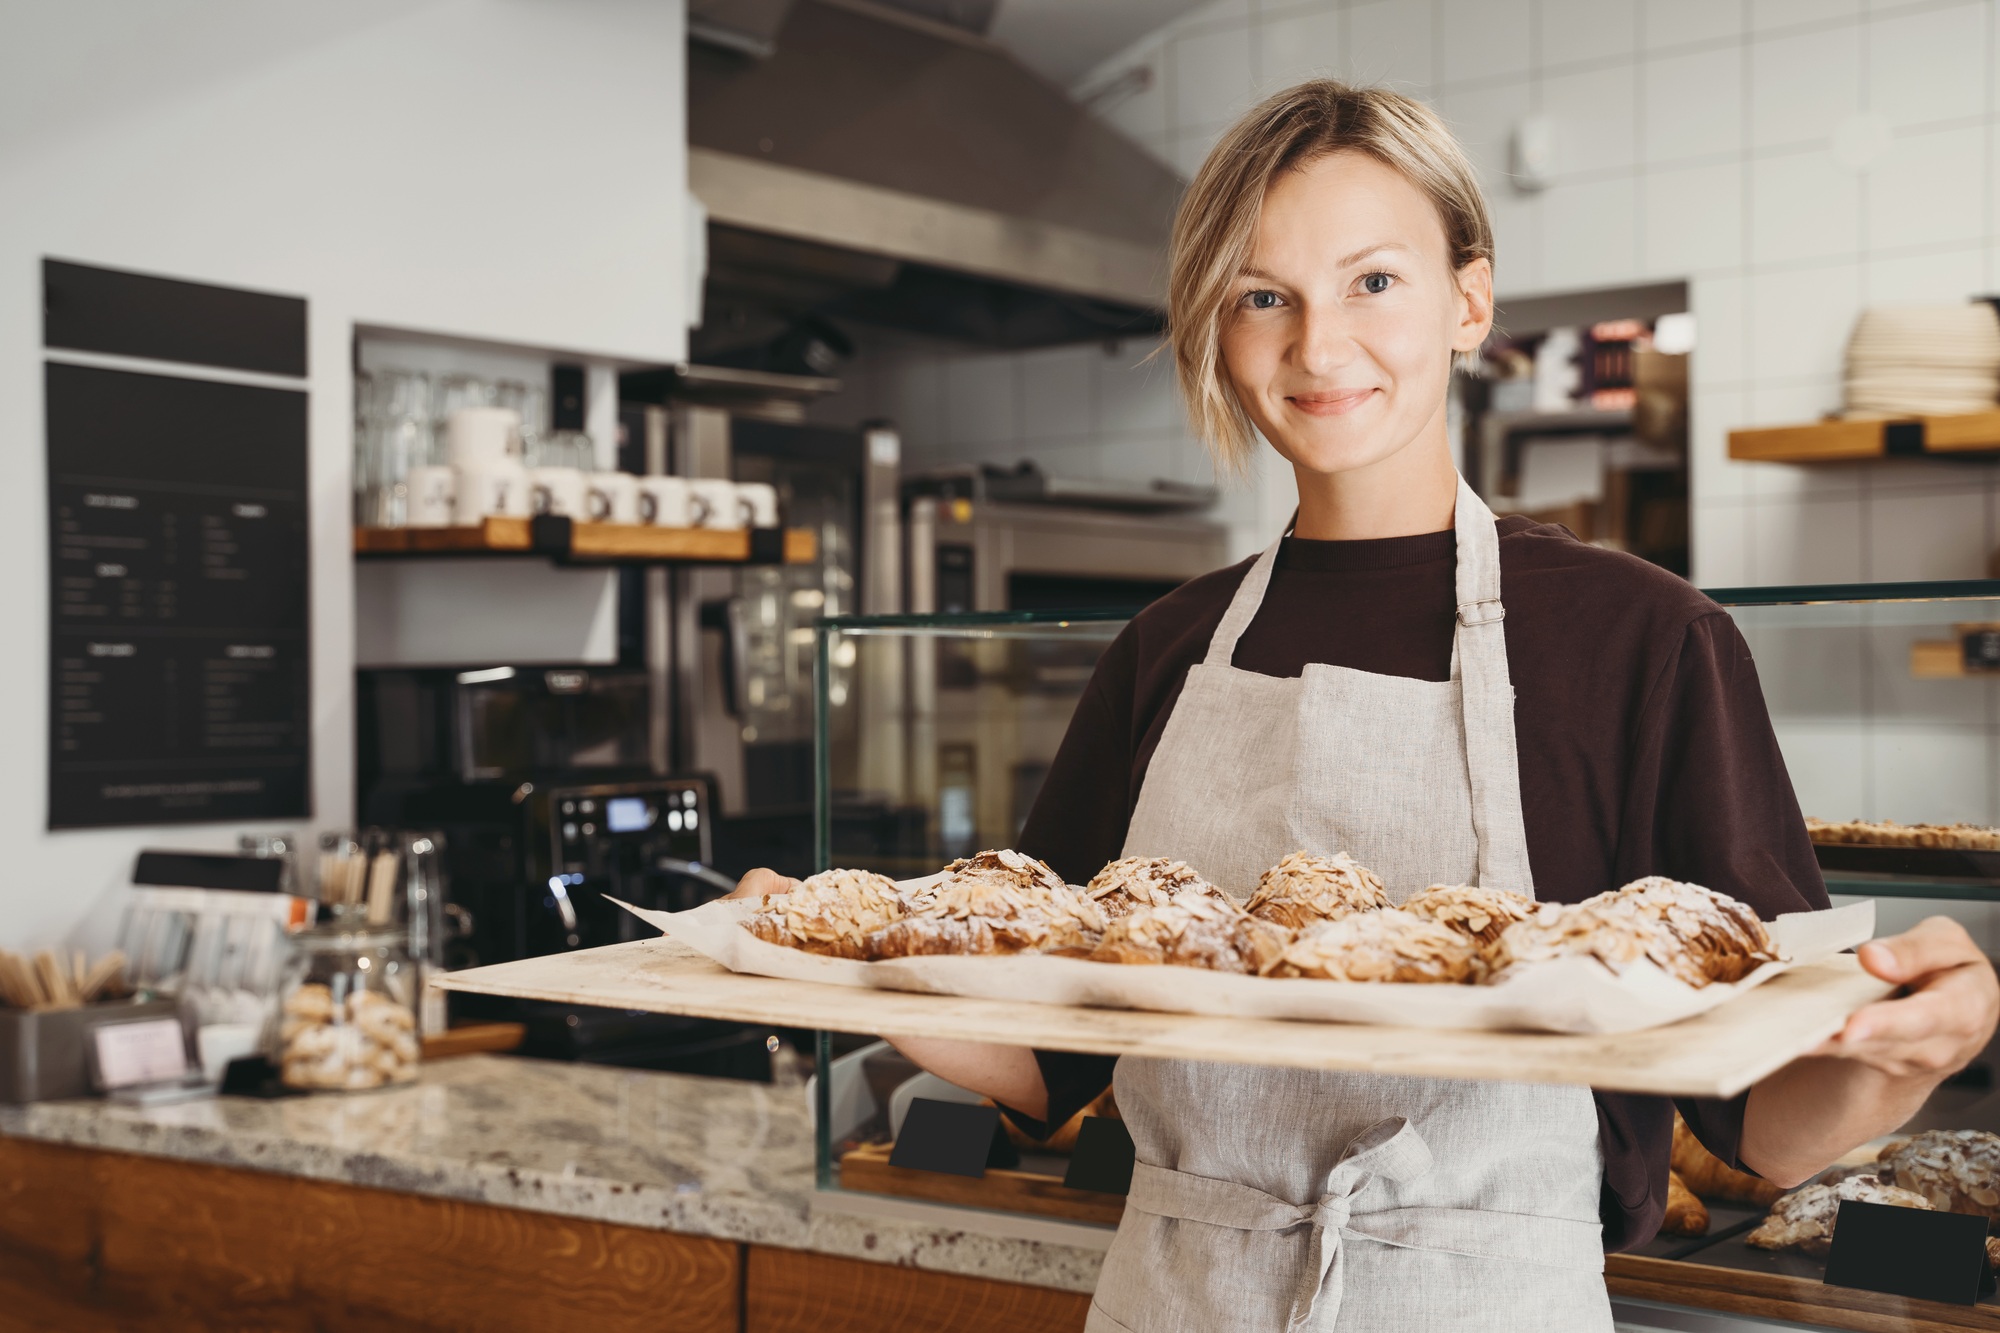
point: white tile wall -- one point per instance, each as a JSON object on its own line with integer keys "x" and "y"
{"x": 1573, "y": 31}
{"x": 1670, "y": 23}
{"x": 1693, "y": 103}
{"x": 1802, "y": 84}
{"x": 1695, "y": 143}
{"x": 1929, "y": 65}
{"x": 1390, "y": 41}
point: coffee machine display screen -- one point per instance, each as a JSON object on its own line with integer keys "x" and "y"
{"x": 628, "y": 814}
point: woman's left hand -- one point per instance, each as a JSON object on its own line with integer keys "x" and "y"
{"x": 1946, "y": 1015}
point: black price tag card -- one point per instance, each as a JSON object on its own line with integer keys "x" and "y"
{"x": 1103, "y": 1157}
{"x": 1908, "y": 1252}
{"x": 950, "y": 1137}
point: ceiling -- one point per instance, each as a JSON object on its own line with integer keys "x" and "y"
{"x": 1062, "y": 40}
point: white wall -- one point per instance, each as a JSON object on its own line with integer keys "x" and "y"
{"x": 511, "y": 170}
{"x": 1696, "y": 139}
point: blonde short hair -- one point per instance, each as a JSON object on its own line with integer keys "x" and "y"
{"x": 1216, "y": 224}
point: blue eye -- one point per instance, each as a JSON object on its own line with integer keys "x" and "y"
{"x": 1260, "y": 300}
{"x": 1376, "y": 283}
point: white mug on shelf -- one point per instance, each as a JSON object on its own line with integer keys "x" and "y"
{"x": 556, "y": 490}
{"x": 758, "y": 502}
{"x": 476, "y": 436}
{"x": 713, "y": 504}
{"x": 433, "y": 495}
{"x": 664, "y": 502}
{"x": 492, "y": 490}
{"x": 612, "y": 497}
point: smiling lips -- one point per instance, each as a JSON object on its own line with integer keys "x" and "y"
{"x": 1330, "y": 403}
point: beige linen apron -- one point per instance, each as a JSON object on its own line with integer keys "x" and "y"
{"x": 1280, "y": 1199}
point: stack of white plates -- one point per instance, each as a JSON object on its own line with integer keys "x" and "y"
{"x": 1924, "y": 360}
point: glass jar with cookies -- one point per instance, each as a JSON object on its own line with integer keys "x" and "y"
{"x": 348, "y": 1019}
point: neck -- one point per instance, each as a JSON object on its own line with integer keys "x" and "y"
{"x": 1411, "y": 492}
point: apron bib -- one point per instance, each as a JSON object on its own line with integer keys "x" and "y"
{"x": 1282, "y": 1199}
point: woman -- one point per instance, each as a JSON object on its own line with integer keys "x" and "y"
{"x": 1453, "y": 700}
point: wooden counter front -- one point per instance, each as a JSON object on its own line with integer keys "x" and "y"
{"x": 110, "y": 1242}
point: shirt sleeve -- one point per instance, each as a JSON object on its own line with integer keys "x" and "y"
{"x": 1710, "y": 802}
{"x": 1077, "y": 824}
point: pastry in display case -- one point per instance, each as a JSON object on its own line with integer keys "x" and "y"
{"x": 936, "y": 748}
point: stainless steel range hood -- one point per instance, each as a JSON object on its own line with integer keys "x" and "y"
{"x": 878, "y": 157}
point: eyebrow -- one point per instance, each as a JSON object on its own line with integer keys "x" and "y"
{"x": 1252, "y": 271}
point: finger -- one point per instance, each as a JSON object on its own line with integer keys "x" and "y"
{"x": 1902, "y": 1021}
{"x": 1932, "y": 945}
{"x": 1938, "y": 1029}
{"x": 761, "y": 882}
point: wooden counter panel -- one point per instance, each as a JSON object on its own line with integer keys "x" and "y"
{"x": 1783, "y": 1297}
{"x": 98, "y": 1240}
{"x": 792, "y": 1291}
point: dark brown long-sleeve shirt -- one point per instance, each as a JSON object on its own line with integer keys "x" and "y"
{"x": 1644, "y": 748}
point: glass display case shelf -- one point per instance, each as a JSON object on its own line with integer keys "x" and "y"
{"x": 934, "y": 733}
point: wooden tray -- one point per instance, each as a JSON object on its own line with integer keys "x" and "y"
{"x": 867, "y": 1169}
{"x": 1716, "y": 1054}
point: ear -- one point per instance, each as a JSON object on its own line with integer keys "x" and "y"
{"x": 1475, "y": 307}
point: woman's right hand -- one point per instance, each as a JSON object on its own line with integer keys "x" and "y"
{"x": 761, "y": 883}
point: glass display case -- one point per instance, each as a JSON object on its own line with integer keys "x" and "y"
{"x": 934, "y": 734}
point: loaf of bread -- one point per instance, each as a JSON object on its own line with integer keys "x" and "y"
{"x": 1472, "y": 910}
{"x": 1145, "y": 881}
{"x": 1803, "y": 1220}
{"x": 1194, "y": 931}
{"x": 1384, "y": 945}
{"x": 832, "y": 913}
{"x": 1958, "y": 1170}
{"x": 1304, "y": 889}
{"x": 1689, "y": 932}
{"x": 1014, "y": 911}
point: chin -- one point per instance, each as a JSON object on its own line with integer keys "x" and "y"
{"x": 1327, "y": 452}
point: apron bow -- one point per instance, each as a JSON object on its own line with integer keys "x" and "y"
{"x": 1389, "y": 1149}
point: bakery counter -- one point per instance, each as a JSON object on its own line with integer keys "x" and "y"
{"x": 496, "y": 1192}
{"x": 505, "y": 1193}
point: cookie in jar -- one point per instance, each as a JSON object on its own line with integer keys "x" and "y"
{"x": 348, "y": 1018}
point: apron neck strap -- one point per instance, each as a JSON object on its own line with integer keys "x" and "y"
{"x": 1486, "y": 694}
{"x": 1243, "y": 606}
{"x": 1478, "y": 578}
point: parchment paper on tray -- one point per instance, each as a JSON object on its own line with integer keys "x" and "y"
{"x": 1576, "y": 995}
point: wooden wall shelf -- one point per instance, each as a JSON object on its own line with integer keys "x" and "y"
{"x": 571, "y": 542}
{"x": 1969, "y": 434}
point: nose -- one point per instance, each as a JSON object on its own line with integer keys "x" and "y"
{"x": 1325, "y": 342}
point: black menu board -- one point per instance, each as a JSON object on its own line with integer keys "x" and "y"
{"x": 179, "y": 687}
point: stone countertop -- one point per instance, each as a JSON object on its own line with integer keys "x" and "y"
{"x": 700, "y": 1156}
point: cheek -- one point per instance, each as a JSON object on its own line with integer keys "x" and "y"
{"x": 1411, "y": 343}
{"x": 1249, "y": 354}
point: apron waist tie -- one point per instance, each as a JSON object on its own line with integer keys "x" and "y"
{"x": 1392, "y": 1150}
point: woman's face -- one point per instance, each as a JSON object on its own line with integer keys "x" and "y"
{"x": 1345, "y": 317}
